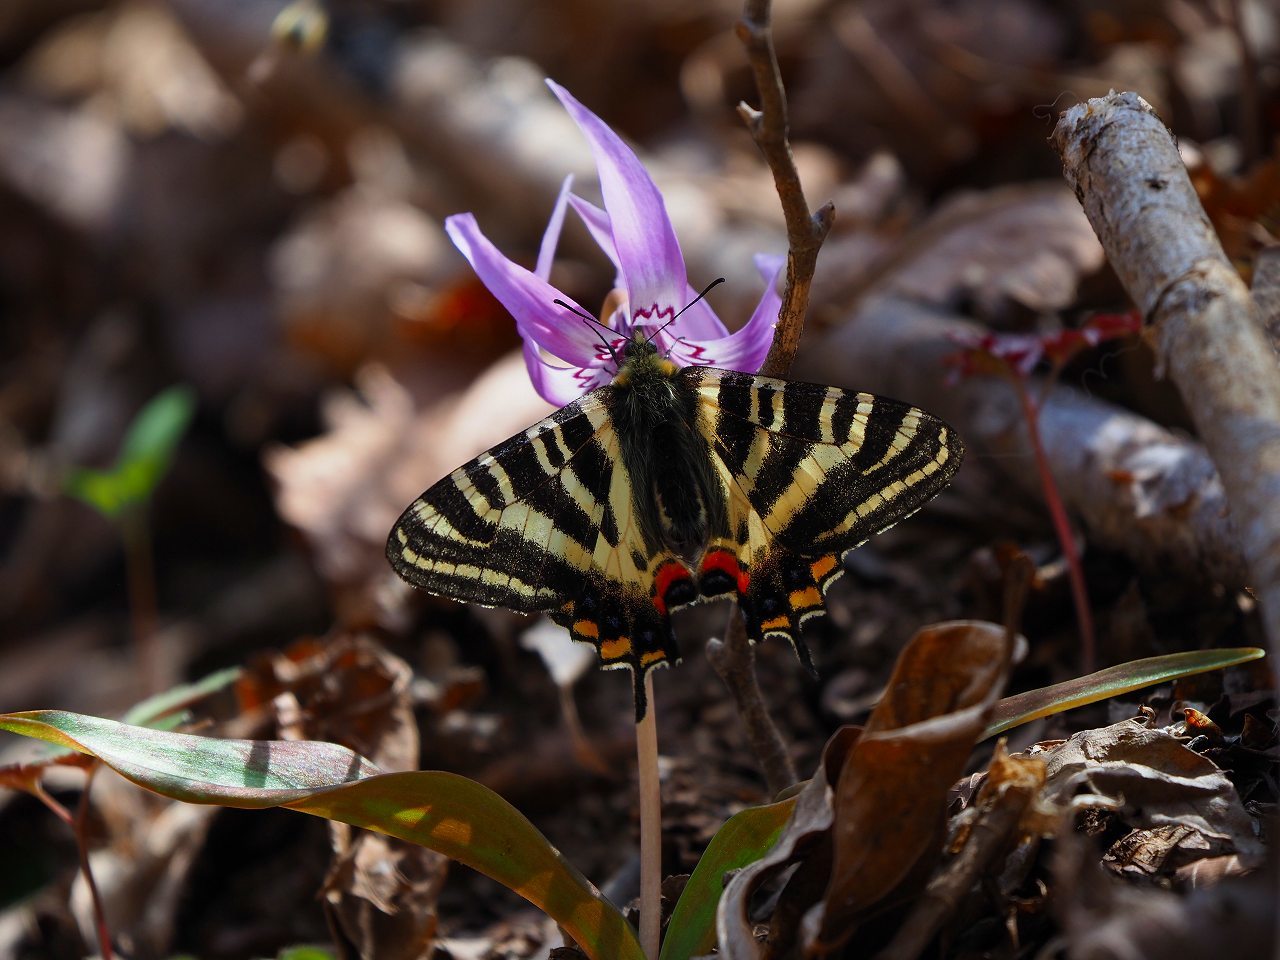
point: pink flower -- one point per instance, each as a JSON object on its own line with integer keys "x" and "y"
{"x": 566, "y": 356}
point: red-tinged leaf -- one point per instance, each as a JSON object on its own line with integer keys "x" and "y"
{"x": 741, "y": 840}
{"x": 1017, "y": 354}
{"x": 442, "y": 811}
{"x": 1059, "y": 697}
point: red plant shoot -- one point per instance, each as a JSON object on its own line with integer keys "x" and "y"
{"x": 1015, "y": 356}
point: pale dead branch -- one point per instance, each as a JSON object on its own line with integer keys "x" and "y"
{"x": 1125, "y": 168}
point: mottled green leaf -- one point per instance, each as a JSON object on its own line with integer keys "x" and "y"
{"x": 1113, "y": 681}
{"x": 450, "y": 814}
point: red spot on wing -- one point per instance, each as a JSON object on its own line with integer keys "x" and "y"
{"x": 668, "y": 576}
{"x": 725, "y": 561}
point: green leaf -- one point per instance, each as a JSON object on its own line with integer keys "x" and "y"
{"x": 741, "y": 840}
{"x": 1113, "y": 681}
{"x": 450, "y": 814}
{"x": 305, "y": 953}
{"x": 166, "y": 709}
{"x": 145, "y": 456}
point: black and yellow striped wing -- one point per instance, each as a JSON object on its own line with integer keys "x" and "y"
{"x": 810, "y": 473}
{"x": 546, "y": 521}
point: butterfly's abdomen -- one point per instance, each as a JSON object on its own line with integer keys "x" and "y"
{"x": 677, "y": 498}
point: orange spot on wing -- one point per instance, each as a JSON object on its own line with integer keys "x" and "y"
{"x": 615, "y": 649}
{"x": 806, "y": 598}
{"x": 822, "y": 567}
{"x": 653, "y": 656}
{"x": 777, "y": 623}
{"x": 587, "y": 628}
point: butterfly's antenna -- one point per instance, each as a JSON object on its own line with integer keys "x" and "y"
{"x": 596, "y": 327}
{"x": 705, "y": 290}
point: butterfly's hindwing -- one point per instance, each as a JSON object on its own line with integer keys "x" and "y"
{"x": 810, "y": 473}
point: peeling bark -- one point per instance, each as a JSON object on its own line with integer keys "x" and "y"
{"x": 1126, "y": 171}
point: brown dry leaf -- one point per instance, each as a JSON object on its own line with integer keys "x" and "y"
{"x": 891, "y": 797}
{"x": 1001, "y": 829}
{"x": 344, "y": 490}
{"x": 1029, "y": 243}
{"x": 380, "y": 894}
{"x": 1104, "y": 918}
{"x": 859, "y": 839}
{"x": 806, "y": 838}
{"x": 1180, "y": 805}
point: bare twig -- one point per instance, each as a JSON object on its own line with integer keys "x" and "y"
{"x": 734, "y": 660}
{"x": 1127, "y": 174}
{"x": 805, "y": 232}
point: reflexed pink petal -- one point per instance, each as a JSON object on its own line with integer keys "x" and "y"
{"x": 698, "y": 322}
{"x": 527, "y": 296}
{"x": 646, "y": 244}
{"x": 551, "y": 236}
{"x": 561, "y": 385}
{"x": 597, "y": 223}
{"x": 744, "y": 351}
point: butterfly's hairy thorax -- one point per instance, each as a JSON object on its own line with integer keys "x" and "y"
{"x": 678, "y": 499}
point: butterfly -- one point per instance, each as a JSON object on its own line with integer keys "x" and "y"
{"x": 669, "y": 486}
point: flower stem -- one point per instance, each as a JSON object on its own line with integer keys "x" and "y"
{"x": 1061, "y": 526}
{"x": 650, "y": 827}
{"x": 140, "y": 571}
{"x": 79, "y": 824}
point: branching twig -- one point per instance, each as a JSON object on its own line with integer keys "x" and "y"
{"x": 805, "y": 231}
{"x": 739, "y": 675}
{"x": 733, "y": 659}
{"x": 1128, "y": 175}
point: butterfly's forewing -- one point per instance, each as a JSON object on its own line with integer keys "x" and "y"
{"x": 810, "y": 472}
{"x": 546, "y": 522}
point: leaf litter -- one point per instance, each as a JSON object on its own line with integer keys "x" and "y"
{"x": 170, "y": 219}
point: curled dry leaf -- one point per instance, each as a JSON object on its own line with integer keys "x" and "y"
{"x": 381, "y": 892}
{"x": 807, "y": 834}
{"x": 982, "y": 839}
{"x": 891, "y": 797}
{"x": 1180, "y": 806}
{"x": 870, "y": 820}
